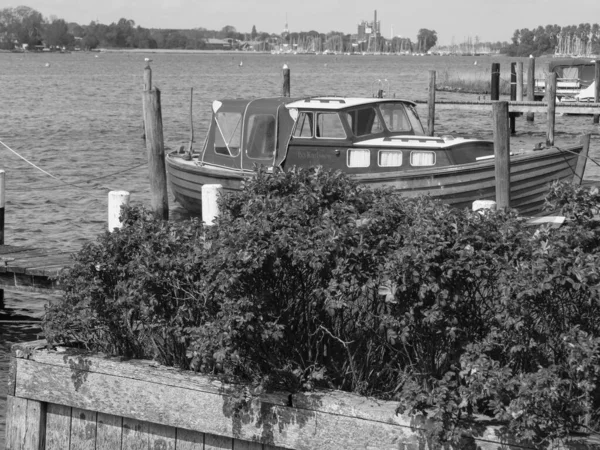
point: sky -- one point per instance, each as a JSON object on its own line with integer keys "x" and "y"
{"x": 453, "y": 20}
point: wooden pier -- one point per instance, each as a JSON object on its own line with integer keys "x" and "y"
{"x": 517, "y": 106}
{"x": 31, "y": 269}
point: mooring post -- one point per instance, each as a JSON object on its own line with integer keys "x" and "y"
{"x": 116, "y": 199}
{"x": 513, "y": 95}
{"x": 551, "y": 99}
{"x": 210, "y": 204}
{"x": 286, "y": 81}
{"x": 501, "y": 154}
{"x": 2, "y": 204}
{"x": 520, "y": 81}
{"x": 597, "y": 89}
{"x": 431, "y": 104}
{"x": 155, "y": 147}
{"x": 495, "y": 83}
{"x": 531, "y": 85}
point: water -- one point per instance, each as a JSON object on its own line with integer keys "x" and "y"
{"x": 79, "y": 117}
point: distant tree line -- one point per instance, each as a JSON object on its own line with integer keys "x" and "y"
{"x": 582, "y": 39}
{"x": 24, "y": 27}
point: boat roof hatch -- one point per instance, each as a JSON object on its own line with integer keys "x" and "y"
{"x": 339, "y": 103}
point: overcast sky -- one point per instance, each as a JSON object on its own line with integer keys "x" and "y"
{"x": 490, "y": 20}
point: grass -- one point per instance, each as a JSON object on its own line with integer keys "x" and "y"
{"x": 478, "y": 82}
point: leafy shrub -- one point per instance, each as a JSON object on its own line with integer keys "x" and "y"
{"x": 134, "y": 291}
{"x": 310, "y": 280}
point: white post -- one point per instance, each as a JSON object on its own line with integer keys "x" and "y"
{"x": 210, "y": 208}
{"x": 484, "y": 204}
{"x": 115, "y": 200}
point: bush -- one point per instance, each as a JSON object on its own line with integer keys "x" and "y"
{"x": 310, "y": 280}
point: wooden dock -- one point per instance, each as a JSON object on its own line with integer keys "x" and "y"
{"x": 31, "y": 269}
{"x": 516, "y": 106}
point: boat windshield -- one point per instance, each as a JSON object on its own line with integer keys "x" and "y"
{"x": 228, "y": 134}
{"x": 400, "y": 117}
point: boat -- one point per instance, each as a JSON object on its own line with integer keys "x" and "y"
{"x": 574, "y": 75}
{"x": 377, "y": 141}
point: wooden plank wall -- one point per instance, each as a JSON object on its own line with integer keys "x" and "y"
{"x": 33, "y": 425}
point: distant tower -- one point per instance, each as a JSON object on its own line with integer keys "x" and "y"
{"x": 286, "y": 30}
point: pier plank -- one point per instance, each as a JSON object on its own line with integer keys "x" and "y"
{"x": 161, "y": 437}
{"x": 25, "y": 423}
{"x": 58, "y": 427}
{"x": 246, "y": 445}
{"x": 16, "y": 421}
{"x": 189, "y": 440}
{"x": 135, "y": 434}
{"x": 108, "y": 431}
{"x": 214, "y": 442}
{"x": 83, "y": 429}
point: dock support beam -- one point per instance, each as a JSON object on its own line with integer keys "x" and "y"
{"x": 551, "y": 99}
{"x": 531, "y": 85}
{"x": 155, "y": 147}
{"x": 597, "y": 90}
{"x": 431, "y": 104}
{"x": 501, "y": 154}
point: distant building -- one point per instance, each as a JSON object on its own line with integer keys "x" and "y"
{"x": 219, "y": 44}
{"x": 368, "y": 34}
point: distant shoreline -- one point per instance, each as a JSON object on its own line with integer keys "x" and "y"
{"x": 175, "y": 50}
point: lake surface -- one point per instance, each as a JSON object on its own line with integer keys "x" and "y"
{"x": 78, "y": 117}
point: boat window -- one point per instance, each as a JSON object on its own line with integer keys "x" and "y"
{"x": 394, "y": 115}
{"x": 261, "y": 136}
{"x": 364, "y": 121}
{"x": 304, "y": 125}
{"x": 330, "y": 126}
{"x": 390, "y": 158}
{"x": 413, "y": 116}
{"x": 359, "y": 157}
{"x": 228, "y": 133}
{"x": 422, "y": 158}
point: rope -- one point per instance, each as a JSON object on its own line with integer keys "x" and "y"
{"x": 66, "y": 182}
{"x": 30, "y": 163}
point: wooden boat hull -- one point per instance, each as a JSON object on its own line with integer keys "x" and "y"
{"x": 459, "y": 185}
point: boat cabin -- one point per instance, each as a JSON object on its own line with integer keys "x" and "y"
{"x": 351, "y": 134}
{"x": 573, "y": 76}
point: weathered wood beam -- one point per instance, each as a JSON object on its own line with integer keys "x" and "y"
{"x": 524, "y": 107}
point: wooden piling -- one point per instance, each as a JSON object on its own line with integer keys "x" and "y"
{"x": 155, "y": 147}
{"x": 2, "y": 203}
{"x": 286, "y": 81}
{"x": 597, "y": 89}
{"x": 551, "y": 99}
{"x": 519, "y": 81}
{"x": 531, "y": 85}
{"x": 116, "y": 199}
{"x": 495, "y": 82}
{"x": 513, "y": 95}
{"x": 431, "y": 104}
{"x": 501, "y": 154}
